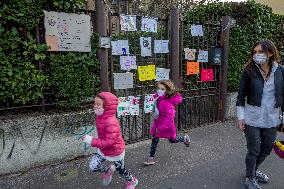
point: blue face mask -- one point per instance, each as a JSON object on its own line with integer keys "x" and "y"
{"x": 260, "y": 58}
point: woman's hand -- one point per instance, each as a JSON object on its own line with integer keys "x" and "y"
{"x": 241, "y": 124}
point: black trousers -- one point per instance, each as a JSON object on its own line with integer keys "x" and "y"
{"x": 259, "y": 146}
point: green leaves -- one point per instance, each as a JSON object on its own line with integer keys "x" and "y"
{"x": 20, "y": 80}
{"x": 75, "y": 77}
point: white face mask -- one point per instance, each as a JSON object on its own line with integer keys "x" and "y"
{"x": 160, "y": 92}
{"x": 99, "y": 111}
{"x": 260, "y": 58}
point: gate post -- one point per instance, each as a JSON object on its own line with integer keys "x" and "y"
{"x": 224, "y": 67}
{"x": 174, "y": 46}
{"x": 102, "y": 54}
{"x": 175, "y": 54}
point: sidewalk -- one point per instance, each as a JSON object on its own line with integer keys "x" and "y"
{"x": 215, "y": 160}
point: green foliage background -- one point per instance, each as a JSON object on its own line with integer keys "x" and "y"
{"x": 74, "y": 76}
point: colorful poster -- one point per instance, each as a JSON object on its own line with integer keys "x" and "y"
{"x": 207, "y": 75}
{"x": 128, "y": 106}
{"x": 147, "y": 72}
{"x": 123, "y": 107}
{"x": 149, "y": 103}
{"x": 128, "y": 22}
{"x": 189, "y": 54}
{"x": 67, "y": 32}
{"x": 149, "y": 25}
{"x": 123, "y": 80}
{"x": 197, "y": 30}
{"x": 128, "y": 62}
{"x": 145, "y": 44}
{"x": 161, "y": 46}
{"x": 134, "y": 103}
{"x": 119, "y": 47}
{"x": 162, "y": 74}
{"x": 202, "y": 56}
{"x": 192, "y": 68}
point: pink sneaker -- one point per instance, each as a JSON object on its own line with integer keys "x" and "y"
{"x": 107, "y": 177}
{"x": 132, "y": 184}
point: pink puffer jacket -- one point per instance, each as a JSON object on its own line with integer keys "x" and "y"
{"x": 109, "y": 140}
{"x": 164, "y": 126}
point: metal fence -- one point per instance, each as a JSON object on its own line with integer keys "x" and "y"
{"x": 201, "y": 99}
{"x": 136, "y": 127}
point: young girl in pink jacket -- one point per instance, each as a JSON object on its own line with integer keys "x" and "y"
{"x": 110, "y": 144}
{"x": 167, "y": 98}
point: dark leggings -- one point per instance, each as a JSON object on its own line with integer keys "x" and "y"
{"x": 96, "y": 165}
{"x": 155, "y": 142}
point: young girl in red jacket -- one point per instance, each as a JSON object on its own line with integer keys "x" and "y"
{"x": 167, "y": 98}
{"x": 110, "y": 144}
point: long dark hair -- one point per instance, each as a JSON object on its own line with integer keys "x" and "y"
{"x": 267, "y": 47}
{"x": 171, "y": 90}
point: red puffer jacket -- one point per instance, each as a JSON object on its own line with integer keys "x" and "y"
{"x": 109, "y": 140}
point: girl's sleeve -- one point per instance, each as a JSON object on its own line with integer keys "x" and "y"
{"x": 109, "y": 140}
{"x": 177, "y": 99}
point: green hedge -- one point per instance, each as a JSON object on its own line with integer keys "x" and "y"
{"x": 254, "y": 22}
{"x": 74, "y": 76}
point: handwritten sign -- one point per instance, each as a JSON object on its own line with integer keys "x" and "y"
{"x": 105, "y": 42}
{"x": 145, "y": 44}
{"x": 128, "y": 106}
{"x": 120, "y": 47}
{"x": 128, "y": 62}
{"x": 67, "y": 32}
{"x": 149, "y": 25}
{"x": 162, "y": 74}
{"x": 128, "y": 22}
{"x": 149, "y": 103}
{"x": 147, "y": 72}
{"x": 207, "y": 75}
{"x": 197, "y": 30}
{"x": 189, "y": 54}
{"x": 161, "y": 46}
{"x": 123, "y": 80}
{"x": 202, "y": 56}
{"x": 192, "y": 68}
